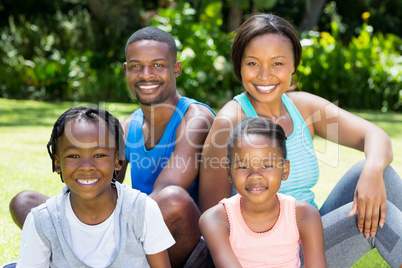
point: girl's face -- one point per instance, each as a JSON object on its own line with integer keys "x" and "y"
{"x": 267, "y": 66}
{"x": 257, "y": 168}
{"x": 87, "y": 158}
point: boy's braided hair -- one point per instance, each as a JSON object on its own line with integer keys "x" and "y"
{"x": 89, "y": 114}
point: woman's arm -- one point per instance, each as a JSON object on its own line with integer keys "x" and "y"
{"x": 214, "y": 184}
{"x": 311, "y": 234}
{"x": 159, "y": 260}
{"x": 337, "y": 125}
{"x": 214, "y": 227}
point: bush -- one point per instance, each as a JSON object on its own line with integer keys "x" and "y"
{"x": 367, "y": 73}
{"x": 55, "y": 61}
{"x": 207, "y": 74}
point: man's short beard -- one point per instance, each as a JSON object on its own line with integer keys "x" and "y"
{"x": 155, "y": 101}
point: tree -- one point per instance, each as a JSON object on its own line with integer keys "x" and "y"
{"x": 311, "y": 15}
{"x": 238, "y": 7}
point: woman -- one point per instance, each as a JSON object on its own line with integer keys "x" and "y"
{"x": 266, "y": 53}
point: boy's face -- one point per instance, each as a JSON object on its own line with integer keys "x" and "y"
{"x": 87, "y": 158}
{"x": 151, "y": 71}
{"x": 257, "y": 168}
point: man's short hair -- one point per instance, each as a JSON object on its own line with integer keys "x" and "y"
{"x": 156, "y": 34}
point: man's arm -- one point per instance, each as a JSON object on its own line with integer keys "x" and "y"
{"x": 183, "y": 165}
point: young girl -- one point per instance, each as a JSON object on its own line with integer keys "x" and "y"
{"x": 95, "y": 221}
{"x": 258, "y": 227}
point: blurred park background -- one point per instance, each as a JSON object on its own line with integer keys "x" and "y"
{"x": 59, "y": 54}
{"x": 72, "y": 50}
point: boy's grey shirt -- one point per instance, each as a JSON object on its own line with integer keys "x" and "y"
{"x": 52, "y": 227}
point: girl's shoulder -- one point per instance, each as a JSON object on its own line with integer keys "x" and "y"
{"x": 306, "y": 213}
{"x": 305, "y": 208}
{"x": 215, "y": 215}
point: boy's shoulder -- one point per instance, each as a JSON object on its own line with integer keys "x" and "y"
{"x": 51, "y": 204}
{"x": 131, "y": 201}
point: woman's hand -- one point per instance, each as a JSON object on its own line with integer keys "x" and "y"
{"x": 370, "y": 201}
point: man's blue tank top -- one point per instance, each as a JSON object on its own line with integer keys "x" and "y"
{"x": 304, "y": 171}
{"x": 146, "y": 165}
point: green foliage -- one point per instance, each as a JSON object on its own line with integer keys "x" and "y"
{"x": 385, "y": 16}
{"x": 257, "y": 4}
{"x": 207, "y": 74}
{"x": 365, "y": 74}
{"x": 43, "y": 62}
{"x": 67, "y": 54}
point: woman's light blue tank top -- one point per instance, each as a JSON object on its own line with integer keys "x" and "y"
{"x": 304, "y": 171}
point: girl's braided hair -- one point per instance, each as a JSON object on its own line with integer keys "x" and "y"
{"x": 89, "y": 114}
{"x": 256, "y": 126}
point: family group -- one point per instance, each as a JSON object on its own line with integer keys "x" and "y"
{"x": 232, "y": 189}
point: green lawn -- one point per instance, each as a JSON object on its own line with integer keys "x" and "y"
{"x": 25, "y": 128}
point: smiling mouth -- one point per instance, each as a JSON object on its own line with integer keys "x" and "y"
{"x": 88, "y": 182}
{"x": 256, "y": 189}
{"x": 266, "y": 89}
{"x": 149, "y": 87}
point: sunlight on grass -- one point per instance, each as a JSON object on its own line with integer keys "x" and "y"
{"x": 25, "y": 128}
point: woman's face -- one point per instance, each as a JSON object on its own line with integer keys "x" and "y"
{"x": 267, "y": 66}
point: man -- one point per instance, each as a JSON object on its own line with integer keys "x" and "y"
{"x": 164, "y": 139}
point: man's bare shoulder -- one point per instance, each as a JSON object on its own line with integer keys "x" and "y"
{"x": 125, "y": 123}
{"x": 199, "y": 110}
{"x": 198, "y": 116}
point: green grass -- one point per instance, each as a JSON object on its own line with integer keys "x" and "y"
{"x": 25, "y": 128}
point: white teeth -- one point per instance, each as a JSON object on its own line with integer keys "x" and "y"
{"x": 87, "y": 181}
{"x": 257, "y": 189}
{"x": 148, "y": 87}
{"x": 266, "y": 88}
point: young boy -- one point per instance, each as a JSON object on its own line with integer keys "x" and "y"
{"x": 95, "y": 221}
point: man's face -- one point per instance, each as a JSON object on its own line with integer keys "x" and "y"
{"x": 151, "y": 70}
